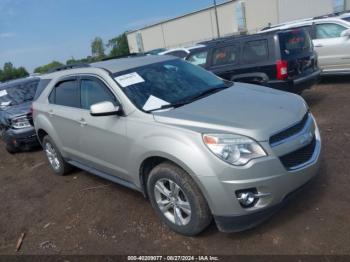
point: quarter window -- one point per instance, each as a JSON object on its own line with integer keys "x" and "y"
{"x": 329, "y": 30}
{"x": 226, "y": 55}
{"x": 93, "y": 92}
{"x": 255, "y": 51}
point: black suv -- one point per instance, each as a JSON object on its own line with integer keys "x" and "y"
{"x": 16, "y": 125}
{"x": 284, "y": 60}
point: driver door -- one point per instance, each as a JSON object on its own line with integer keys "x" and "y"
{"x": 103, "y": 141}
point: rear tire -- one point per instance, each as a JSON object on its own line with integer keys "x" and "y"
{"x": 177, "y": 200}
{"x": 58, "y": 165}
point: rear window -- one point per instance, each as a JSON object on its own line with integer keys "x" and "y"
{"x": 255, "y": 51}
{"x": 66, "y": 93}
{"x": 294, "y": 42}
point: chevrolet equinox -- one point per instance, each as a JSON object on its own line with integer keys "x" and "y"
{"x": 199, "y": 147}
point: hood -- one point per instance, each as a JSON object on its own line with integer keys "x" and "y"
{"x": 245, "y": 109}
{"x": 9, "y": 112}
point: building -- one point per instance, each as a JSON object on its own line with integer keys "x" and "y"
{"x": 233, "y": 16}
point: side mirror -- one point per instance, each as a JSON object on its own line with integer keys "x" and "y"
{"x": 346, "y": 33}
{"x": 105, "y": 109}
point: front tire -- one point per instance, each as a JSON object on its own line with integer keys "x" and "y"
{"x": 58, "y": 165}
{"x": 10, "y": 148}
{"x": 177, "y": 200}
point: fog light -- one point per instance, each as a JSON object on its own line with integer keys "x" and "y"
{"x": 246, "y": 198}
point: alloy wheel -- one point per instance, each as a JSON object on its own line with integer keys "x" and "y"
{"x": 172, "y": 202}
{"x": 52, "y": 156}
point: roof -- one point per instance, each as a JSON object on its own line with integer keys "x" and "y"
{"x": 181, "y": 16}
{"x": 122, "y": 64}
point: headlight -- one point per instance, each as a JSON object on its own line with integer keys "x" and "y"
{"x": 20, "y": 122}
{"x": 233, "y": 149}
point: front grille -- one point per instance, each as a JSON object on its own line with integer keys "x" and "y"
{"x": 275, "y": 139}
{"x": 299, "y": 156}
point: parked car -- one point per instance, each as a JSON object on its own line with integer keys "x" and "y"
{"x": 345, "y": 16}
{"x": 331, "y": 38}
{"x": 16, "y": 125}
{"x": 282, "y": 60}
{"x": 182, "y": 52}
{"x": 155, "y": 51}
{"x": 196, "y": 145}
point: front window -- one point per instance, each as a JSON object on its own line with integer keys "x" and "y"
{"x": 165, "y": 83}
{"x": 93, "y": 92}
{"x": 329, "y": 30}
{"x": 199, "y": 58}
{"x": 226, "y": 55}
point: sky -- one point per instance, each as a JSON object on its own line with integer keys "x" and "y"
{"x": 35, "y": 32}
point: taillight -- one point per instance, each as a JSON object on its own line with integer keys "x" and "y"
{"x": 282, "y": 69}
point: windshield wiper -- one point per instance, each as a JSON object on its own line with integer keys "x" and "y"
{"x": 173, "y": 105}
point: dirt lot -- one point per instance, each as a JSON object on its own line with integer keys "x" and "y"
{"x": 82, "y": 214}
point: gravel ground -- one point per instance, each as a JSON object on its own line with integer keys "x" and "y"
{"x": 83, "y": 214}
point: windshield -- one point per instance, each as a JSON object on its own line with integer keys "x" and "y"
{"x": 171, "y": 82}
{"x": 17, "y": 94}
{"x": 347, "y": 18}
{"x": 294, "y": 42}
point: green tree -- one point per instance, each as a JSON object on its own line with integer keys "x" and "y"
{"x": 45, "y": 68}
{"x": 9, "y": 72}
{"x": 119, "y": 46}
{"x": 97, "y": 49}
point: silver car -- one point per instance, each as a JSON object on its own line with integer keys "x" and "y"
{"x": 331, "y": 39}
{"x": 197, "y": 146}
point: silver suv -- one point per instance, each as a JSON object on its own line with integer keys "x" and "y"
{"x": 331, "y": 39}
{"x": 197, "y": 146}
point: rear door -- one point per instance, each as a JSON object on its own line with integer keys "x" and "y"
{"x": 64, "y": 113}
{"x": 103, "y": 141}
{"x": 332, "y": 48}
{"x": 297, "y": 50}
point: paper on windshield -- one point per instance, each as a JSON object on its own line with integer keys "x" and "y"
{"x": 5, "y": 103}
{"x": 3, "y": 93}
{"x": 154, "y": 103}
{"x": 129, "y": 79}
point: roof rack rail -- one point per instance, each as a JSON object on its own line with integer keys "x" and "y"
{"x": 332, "y": 14}
{"x": 67, "y": 67}
{"x": 123, "y": 56}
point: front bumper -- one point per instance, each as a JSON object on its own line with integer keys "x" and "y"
{"x": 268, "y": 176}
{"x": 22, "y": 139}
{"x": 230, "y": 224}
{"x": 297, "y": 85}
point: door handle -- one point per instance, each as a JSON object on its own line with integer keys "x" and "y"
{"x": 82, "y": 122}
{"x": 51, "y": 113}
{"x": 319, "y": 45}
